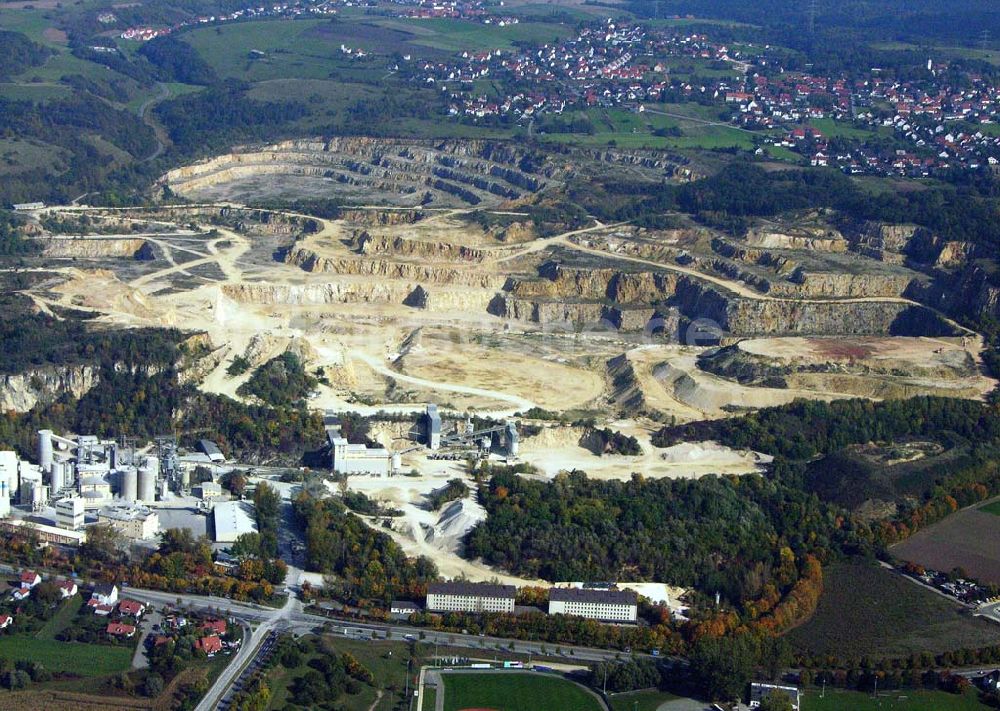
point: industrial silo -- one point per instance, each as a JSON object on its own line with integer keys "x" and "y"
{"x": 147, "y": 483}
{"x": 4, "y": 499}
{"x": 128, "y": 484}
{"x": 45, "y": 449}
{"x": 57, "y": 478}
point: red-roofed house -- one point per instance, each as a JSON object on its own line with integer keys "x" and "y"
{"x": 29, "y": 579}
{"x": 67, "y": 588}
{"x": 160, "y": 640}
{"x": 118, "y": 629}
{"x": 131, "y": 608}
{"x": 209, "y": 645}
{"x": 99, "y": 607}
{"x": 216, "y": 626}
{"x": 21, "y": 593}
{"x": 5, "y": 621}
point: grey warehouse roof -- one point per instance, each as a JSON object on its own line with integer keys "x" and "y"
{"x": 472, "y": 589}
{"x": 601, "y": 597}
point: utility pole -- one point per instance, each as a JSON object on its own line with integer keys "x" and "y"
{"x": 984, "y": 39}
{"x": 812, "y": 17}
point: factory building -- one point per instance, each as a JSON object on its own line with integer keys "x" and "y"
{"x": 211, "y": 450}
{"x": 46, "y": 534}
{"x": 470, "y": 597}
{"x": 94, "y": 488}
{"x": 359, "y": 459}
{"x": 70, "y": 513}
{"x": 232, "y": 519}
{"x": 604, "y": 605}
{"x": 432, "y": 427}
{"x": 9, "y": 480}
{"x": 209, "y": 490}
{"x": 134, "y": 522}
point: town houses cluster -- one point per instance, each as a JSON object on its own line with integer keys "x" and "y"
{"x": 911, "y": 122}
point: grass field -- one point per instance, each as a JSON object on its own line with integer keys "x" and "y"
{"x": 836, "y": 700}
{"x": 430, "y": 699}
{"x": 72, "y": 657}
{"x": 386, "y": 660}
{"x": 966, "y": 539}
{"x": 33, "y": 92}
{"x": 61, "y": 620}
{"x": 868, "y": 610}
{"x": 639, "y": 700}
{"x": 991, "y": 508}
{"x": 17, "y": 156}
{"x": 459, "y": 35}
{"x": 515, "y": 691}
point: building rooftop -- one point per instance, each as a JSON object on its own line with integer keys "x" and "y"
{"x": 233, "y": 518}
{"x": 126, "y": 513}
{"x": 596, "y": 596}
{"x": 472, "y": 589}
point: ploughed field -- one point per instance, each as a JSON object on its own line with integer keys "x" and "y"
{"x": 966, "y": 539}
{"x": 866, "y": 609}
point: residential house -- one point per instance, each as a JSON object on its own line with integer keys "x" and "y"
{"x": 214, "y": 626}
{"x": 131, "y": 608}
{"x": 401, "y": 609}
{"x": 30, "y": 579}
{"x": 21, "y": 593}
{"x": 209, "y": 645}
{"x": 5, "y": 621}
{"x": 68, "y": 588}
{"x": 105, "y": 594}
{"x": 118, "y": 629}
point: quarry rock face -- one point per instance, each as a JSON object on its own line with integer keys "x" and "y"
{"x": 39, "y": 386}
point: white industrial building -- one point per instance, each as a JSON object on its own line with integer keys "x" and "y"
{"x": 70, "y": 513}
{"x": 232, "y": 519}
{"x": 359, "y": 459}
{"x": 603, "y": 604}
{"x": 45, "y": 534}
{"x": 134, "y": 522}
{"x": 470, "y": 597}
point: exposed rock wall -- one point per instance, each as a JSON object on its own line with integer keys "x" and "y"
{"x": 444, "y": 299}
{"x": 94, "y": 248}
{"x": 22, "y": 391}
{"x": 309, "y": 261}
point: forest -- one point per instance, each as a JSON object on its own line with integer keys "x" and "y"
{"x": 835, "y": 24}
{"x": 961, "y": 207}
{"x": 743, "y": 537}
{"x": 18, "y": 53}
{"x": 281, "y": 382}
{"x": 369, "y": 566}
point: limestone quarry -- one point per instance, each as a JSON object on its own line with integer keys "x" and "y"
{"x": 436, "y": 286}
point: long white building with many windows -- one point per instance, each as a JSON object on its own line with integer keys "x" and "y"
{"x": 595, "y": 604}
{"x": 470, "y": 597}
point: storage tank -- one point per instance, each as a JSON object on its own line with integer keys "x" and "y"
{"x": 147, "y": 483}
{"x": 154, "y": 464}
{"x": 128, "y": 484}
{"x": 56, "y": 478}
{"x": 45, "y": 449}
{"x": 186, "y": 478}
{"x": 4, "y": 499}
{"x": 397, "y": 463}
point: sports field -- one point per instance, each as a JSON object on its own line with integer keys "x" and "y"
{"x": 514, "y": 691}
